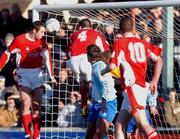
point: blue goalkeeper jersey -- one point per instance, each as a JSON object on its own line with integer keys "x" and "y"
{"x": 102, "y": 86}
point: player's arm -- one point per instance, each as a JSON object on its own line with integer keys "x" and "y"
{"x": 155, "y": 54}
{"x": 47, "y": 61}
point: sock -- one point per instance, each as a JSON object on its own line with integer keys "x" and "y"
{"x": 153, "y": 135}
{"x": 84, "y": 91}
{"x": 27, "y": 121}
{"x": 36, "y": 125}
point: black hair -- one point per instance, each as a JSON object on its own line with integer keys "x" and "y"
{"x": 8, "y": 94}
{"x": 93, "y": 53}
{"x": 36, "y": 25}
{"x": 85, "y": 23}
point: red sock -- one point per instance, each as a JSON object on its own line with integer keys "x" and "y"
{"x": 153, "y": 135}
{"x": 84, "y": 91}
{"x": 27, "y": 121}
{"x": 36, "y": 125}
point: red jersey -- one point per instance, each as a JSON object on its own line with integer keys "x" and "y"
{"x": 136, "y": 52}
{"x": 81, "y": 39}
{"x": 29, "y": 53}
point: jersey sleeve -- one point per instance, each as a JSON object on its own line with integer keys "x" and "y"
{"x": 105, "y": 43}
{"x": 6, "y": 54}
{"x": 114, "y": 56}
{"x": 154, "y": 51}
{"x": 102, "y": 43}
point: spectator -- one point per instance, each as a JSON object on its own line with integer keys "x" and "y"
{"x": 172, "y": 109}
{"x": 9, "y": 115}
{"x": 63, "y": 112}
{"x": 69, "y": 114}
{"x": 6, "y": 24}
{"x": 20, "y": 24}
{"x": 62, "y": 90}
{"x": 2, "y": 90}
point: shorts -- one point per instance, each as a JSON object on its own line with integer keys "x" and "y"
{"x": 95, "y": 111}
{"x": 31, "y": 78}
{"x": 140, "y": 94}
{"x": 81, "y": 67}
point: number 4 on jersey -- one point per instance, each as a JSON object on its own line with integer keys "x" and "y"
{"x": 82, "y": 36}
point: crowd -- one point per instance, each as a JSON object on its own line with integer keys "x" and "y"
{"x": 62, "y": 101}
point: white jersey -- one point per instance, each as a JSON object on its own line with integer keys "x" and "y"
{"x": 102, "y": 86}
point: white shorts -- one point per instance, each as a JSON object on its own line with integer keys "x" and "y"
{"x": 31, "y": 78}
{"x": 140, "y": 94}
{"x": 81, "y": 67}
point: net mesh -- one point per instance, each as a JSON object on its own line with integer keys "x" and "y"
{"x": 60, "y": 109}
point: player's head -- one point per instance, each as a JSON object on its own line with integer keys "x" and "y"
{"x": 93, "y": 53}
{"x": 126, "y": 24}
{"x": 85, "y": 23}
{"x": 38, "y": 29}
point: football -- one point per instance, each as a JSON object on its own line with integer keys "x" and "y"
{"x": 52, "y": 25}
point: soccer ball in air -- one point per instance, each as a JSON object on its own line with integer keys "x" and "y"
{"x": 52, "y": 25}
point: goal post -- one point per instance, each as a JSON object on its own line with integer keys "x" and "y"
{"x": 155, "y": 22}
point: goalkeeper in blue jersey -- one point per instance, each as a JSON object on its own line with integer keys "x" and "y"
{"x": 103, "y": 93}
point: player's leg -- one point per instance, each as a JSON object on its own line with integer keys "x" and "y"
{"x": 36, "y": 107}
{"x": 37, "y": 93}
{"x": 92, "y": 117}
{"x": 86, "y": 73}
{"x": 105, "y": 118}
{"x": 123, "y": 118}
{"x": 26, "y": 115}
{"x": 140, "y": 114}
{"x": 26, "y": 102}
{"x": 144, "y": 125}
{"x": 131, "y": 128}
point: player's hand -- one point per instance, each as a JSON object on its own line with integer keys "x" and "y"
{"x": 153, "y": 87}
{"x": 53, "y": 80}
{"x": 153, "y": 110}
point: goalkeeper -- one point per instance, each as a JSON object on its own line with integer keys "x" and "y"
{"x": 103, "y": 93}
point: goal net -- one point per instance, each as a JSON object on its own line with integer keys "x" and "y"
{"x": 158, "y": 22}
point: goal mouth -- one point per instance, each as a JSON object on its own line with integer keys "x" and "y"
{"x": 157, "y": 22}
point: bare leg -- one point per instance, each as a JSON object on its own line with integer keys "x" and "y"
{"x": 102, "y": 128}
{"x": 121, "y": 123}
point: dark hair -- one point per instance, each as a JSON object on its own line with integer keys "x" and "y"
{"x": 8, "y": 94}
{"x": 93, "y": 53}
{"x": 85, "y": 23}
{"x": 171, "y": 90}
{"x": 126, "y": 24}
{"x": 36, "y": 25}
